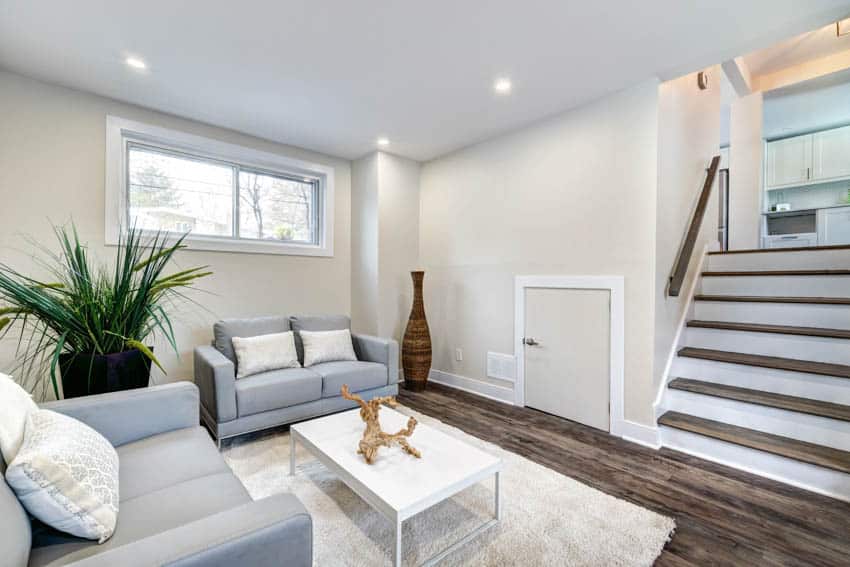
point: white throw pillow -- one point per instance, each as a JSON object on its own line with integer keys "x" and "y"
{"x": 66, "y": 475}
{"x": 15, "y": 405}
{"x": 265, "y": 352}
{"x": 327, "y": 346}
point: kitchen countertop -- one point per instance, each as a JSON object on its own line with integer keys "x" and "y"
{"x": 808, "y": 210}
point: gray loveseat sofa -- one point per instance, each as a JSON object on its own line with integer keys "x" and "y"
{"x": 230, "y": 407}
{"x": 180, "y": 505}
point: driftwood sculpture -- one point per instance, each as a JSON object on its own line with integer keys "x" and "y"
{"x": 373, "y": 437}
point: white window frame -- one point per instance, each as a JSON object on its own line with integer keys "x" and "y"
{"x": 120, "y": 131}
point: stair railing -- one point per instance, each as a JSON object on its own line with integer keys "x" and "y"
{"x": 680, "y": 267}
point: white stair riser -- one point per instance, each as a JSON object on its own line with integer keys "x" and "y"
{"x": 795, "y": 286}
{"x": 810, "y": 477}
{"x": 810, "y": 428}
{"x": 798, "y": 314}
{"x": 811, "y": 260}
{"x": 824, "y": 388}
{"x": 816, "y": 349}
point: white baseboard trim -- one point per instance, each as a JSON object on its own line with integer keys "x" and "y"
{"x": 639, "y": 433}
{"x": 469, "y": 385}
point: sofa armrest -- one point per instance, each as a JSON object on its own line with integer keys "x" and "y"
{"x": 215, "y": 375}
{"x": 130, "y": 415}
{"x": 374, "y": 349}
{"x": 270, "y": 532}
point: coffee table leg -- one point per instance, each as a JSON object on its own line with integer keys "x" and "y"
{"x": 498, "y": 499}
{"x": 291, "y": 453}
{"x": 398, "y": 543}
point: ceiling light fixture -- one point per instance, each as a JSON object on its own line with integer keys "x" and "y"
{"x": 842, "y": 27}
{"x": 383, "y": 142}
{"x": 135, "y": 63}
{"x": 502, "y": 86}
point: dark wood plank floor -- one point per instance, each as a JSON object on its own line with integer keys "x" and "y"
{"x": 723, "y": 516}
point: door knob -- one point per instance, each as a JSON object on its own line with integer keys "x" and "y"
{"x": 529, "y": 341}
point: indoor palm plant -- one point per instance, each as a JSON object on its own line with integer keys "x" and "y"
{"x": 91, "y": 322}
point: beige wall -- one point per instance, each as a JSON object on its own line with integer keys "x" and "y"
{"x": 364, "y": 245}
{"x": 746, "y": 155}
{"x": 573, "y": 195}
{"x": 385, "y": 236}
{"x": 52, "y": 169}
{"x": 688, "y": 137}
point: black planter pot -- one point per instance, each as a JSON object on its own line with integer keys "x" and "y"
{"x": 86, "y": 374}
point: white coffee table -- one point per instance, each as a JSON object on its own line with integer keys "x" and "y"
{"x": 398, "y": 485}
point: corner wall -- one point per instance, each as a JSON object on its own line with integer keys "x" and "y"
{"x": 746, "y": 169}
{"x": 688, "y": 137}
{"x": 572, "y": 195}
{"x": 385, "y": 242}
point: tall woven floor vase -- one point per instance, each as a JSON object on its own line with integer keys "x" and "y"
{"x": 416, "y": 346}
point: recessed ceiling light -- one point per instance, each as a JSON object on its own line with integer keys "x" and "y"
{"x": 383, "y": 141}
{"x": 136, "y": 63}
{"x": 502, "y": 86}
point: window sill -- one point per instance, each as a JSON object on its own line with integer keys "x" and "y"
{"x": 229, "y": 245}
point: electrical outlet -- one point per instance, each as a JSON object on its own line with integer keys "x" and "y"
{"x": 458, "y": 354}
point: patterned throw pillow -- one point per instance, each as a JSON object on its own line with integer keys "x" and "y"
{"x": 265, "y": 352}
{"x": 327, "y": 346}
{"x": 66, "y": 475}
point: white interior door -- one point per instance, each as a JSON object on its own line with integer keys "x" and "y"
{"x": 567, "y": 353}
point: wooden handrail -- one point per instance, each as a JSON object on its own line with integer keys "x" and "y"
{"x": 680, "y": 268}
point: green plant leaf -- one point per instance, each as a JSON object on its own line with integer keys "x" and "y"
{"x": 146, "y": 351}
{"x": 60, "y": 344}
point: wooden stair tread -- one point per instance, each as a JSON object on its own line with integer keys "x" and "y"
{"x": 727, "y": 273}
{"x": 773, "y": 250}
{"x": 774, "y": 299}
{"x": 762, "y": 398}
{"x": 777, "y": 329}
{"x": 811, "y": 453}
{"x": 791, "y": 364}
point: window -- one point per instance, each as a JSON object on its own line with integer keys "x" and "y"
{"x": 226, "y": 197}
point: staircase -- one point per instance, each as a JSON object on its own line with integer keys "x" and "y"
{"x": 761, "y": 379}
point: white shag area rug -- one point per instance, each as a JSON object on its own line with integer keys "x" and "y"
{"x": 547, "y": 518}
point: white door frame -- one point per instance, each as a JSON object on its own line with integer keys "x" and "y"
{"x": 615, "y": 285}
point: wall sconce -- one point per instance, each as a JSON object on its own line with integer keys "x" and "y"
{"x": 842, "y": 27}
{"x": 702, "y": 80}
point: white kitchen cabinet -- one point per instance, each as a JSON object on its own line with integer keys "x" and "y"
{"x": 789, "y": 161}
{"x": 831, "y": 154}
{"x": 791, "y": 240}
{"x": 834, "y": 226}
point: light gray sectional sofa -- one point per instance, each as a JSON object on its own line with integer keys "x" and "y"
{"x": 230, "y": 407}
{"x": 180, "y": 505}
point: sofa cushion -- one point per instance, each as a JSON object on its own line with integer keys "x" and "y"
{"x": 316, "y": 323}
{"x": 327, "y": 346}
{"x": 277, "y": 389}
{"x": 15, "y": 537}
{"x": 165, "y": 460}
{"x": 226, "y": 329}
{"x": 150, "y": 514}
{"x": 66, "y": 475}
{"x": 358, "y": 374}
{"x": 15, "y": 405}
{"x": 265, "y": 352}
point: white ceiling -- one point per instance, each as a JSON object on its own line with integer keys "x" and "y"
{"x": 333, "y": 75}
{"x": 799, "y": 49}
